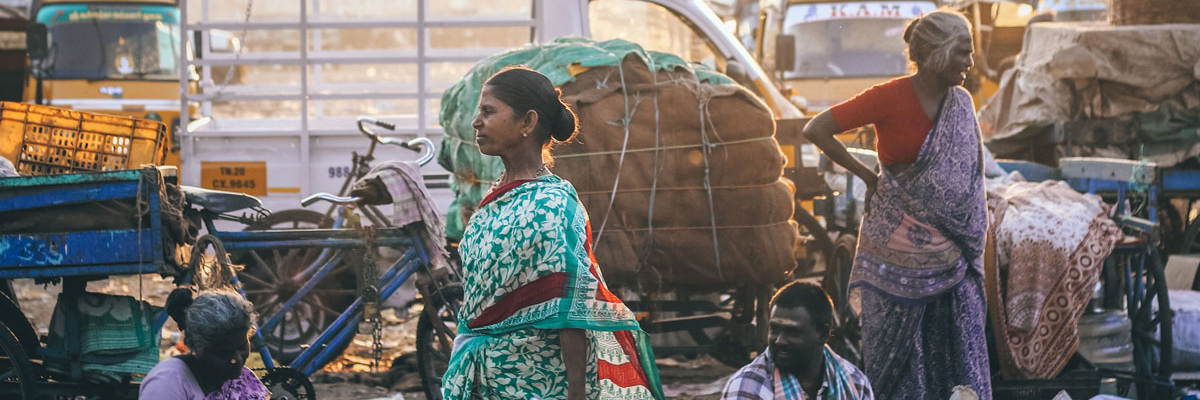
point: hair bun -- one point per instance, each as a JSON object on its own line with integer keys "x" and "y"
{"x": 908, "y": 31}
{"x": 177, "y": 304}
{"x": 565, "y": 125}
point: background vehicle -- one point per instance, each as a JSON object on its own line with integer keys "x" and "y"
{"x": 828, "y": 51}
{"x": 113, "y": 57}
{"x": 998, "y": 28}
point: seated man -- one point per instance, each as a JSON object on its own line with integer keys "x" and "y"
{"x": 797, "y": 365}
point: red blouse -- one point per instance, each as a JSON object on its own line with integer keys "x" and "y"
{"x": 900, "y": 123}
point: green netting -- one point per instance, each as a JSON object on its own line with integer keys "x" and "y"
{"x": 473, "y": 172}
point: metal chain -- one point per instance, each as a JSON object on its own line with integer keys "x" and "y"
{"x": 370, "y": 277}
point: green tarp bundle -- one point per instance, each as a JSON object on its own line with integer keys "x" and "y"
{"x": 474, "y": 172}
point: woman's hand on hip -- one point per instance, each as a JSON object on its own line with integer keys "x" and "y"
{"x": 872, "y": 185}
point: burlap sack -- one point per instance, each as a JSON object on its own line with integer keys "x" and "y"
{"x": 717, "y": 192}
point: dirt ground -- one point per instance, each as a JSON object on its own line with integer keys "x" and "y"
{"x": 350, "y": 377}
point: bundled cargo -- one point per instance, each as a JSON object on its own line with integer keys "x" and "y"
{"x": 1100, "y": 91}
{"x": 677, "y": 166}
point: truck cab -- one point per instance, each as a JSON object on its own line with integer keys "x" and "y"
{"x": 826, "y": 51}
{"x": 112, "y": 57}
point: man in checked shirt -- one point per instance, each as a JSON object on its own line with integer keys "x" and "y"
{"x": 797, "y": 364}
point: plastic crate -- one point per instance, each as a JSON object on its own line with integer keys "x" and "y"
{"x": 42, "y": 140}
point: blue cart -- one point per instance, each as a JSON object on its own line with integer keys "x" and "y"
{"x": 294, "y": 277}
{"x": 28, "y": 368}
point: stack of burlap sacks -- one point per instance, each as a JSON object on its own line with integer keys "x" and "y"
{"x": 699, "y": 200}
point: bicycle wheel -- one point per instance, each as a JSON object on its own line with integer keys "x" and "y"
{"x": 268, "y": 282}
{"x": 435, "y": 339}
{"x": 16, "y": 371}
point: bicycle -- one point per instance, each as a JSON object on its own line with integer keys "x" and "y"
{"x": 360, "y": 165}
{"x": 301, "y": 289}
{"x": 268, "y": 265}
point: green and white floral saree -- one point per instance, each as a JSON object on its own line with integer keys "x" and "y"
{"x": 529, "y": 272}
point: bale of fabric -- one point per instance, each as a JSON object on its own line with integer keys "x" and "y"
{"x": 717, "y": 194}
{"x": 682, "y": 179}
{"x": 473, "y": 172}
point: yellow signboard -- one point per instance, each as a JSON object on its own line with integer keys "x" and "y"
{"x": 249, "y": 177}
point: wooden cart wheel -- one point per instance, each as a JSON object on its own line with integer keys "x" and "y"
{"x": 17, "y": 375}
{"x": 837, "y": 271}
{"x": 435, "y": 338}
{"x": 1190, "y": 241}
{"x": 268, "y": 284}
{"x": 1149, "y": 310}
{"x": 847, "y": 337}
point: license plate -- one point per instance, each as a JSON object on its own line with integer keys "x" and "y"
{"x": 249, "y": 177}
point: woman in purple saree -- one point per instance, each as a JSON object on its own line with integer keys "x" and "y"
{"x": 918, "y": 269}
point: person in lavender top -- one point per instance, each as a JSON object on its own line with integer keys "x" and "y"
{"x": 216, "y": 329}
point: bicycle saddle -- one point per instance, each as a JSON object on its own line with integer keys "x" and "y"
{"x": 219, "y": 201}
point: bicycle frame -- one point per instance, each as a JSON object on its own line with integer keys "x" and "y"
{"x": 337, "y": 241}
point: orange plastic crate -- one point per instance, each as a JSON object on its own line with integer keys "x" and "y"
{"x": 43, "y": 140}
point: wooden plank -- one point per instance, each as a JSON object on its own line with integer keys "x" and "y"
{"x": 1113, "y": 169}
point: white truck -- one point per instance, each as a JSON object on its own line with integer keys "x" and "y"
{"x": 310, "y": 69}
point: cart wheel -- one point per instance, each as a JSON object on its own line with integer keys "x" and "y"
{"x": 435, "y": 339}
{"x": 847, "y": 337}
{"x": 16, "y": 371}
{"x": 289, "y": 384}
{"x": 1190, "y": 241}
{"x": 268, "y": 284}
{"x": 837, "y": 272}
{"x": 1149, "y": 310}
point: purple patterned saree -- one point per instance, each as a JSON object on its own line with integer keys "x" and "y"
{"x": 919, "y": 263}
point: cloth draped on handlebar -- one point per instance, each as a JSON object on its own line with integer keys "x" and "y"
{"x": 412, "y": 202}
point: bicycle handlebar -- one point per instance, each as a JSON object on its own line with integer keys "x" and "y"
{"x": 376, "y": 122}
{"x": 342, "y": 201}
{"x": 421, "y": 144}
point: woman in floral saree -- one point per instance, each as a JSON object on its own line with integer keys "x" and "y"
{"x": 918, "y": 268}
{"x": 537, "y": 320}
